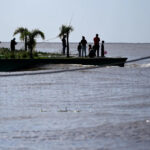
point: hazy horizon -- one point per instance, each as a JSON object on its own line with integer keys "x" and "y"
{"x": 59, "y": 41}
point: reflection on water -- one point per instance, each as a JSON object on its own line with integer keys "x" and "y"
{"x": 100, "y": 109}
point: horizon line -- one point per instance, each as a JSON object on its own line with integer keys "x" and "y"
{"x": 88, "y": 42}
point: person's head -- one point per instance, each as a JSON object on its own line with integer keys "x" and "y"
{"x": 96, "y": 35}
{"x": 83, "y": 37}
{"x": 103, "y": 42}
{"x": 90, "y": 46}
{"x": 79, "y": 43}
{"x": 64, "y": 36}
{"x": 14, "y": 39}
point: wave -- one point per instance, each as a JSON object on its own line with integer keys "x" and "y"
{"x": 146, "y": 65}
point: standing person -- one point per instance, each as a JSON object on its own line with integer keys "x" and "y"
{"x": 79, "y": 49}
{"x": 12, "y": 44}
{"x": 102, "y": 49}
{"x": 83, "y": 43}
{"x": 64, "y": 44}
{"x": 96, "y": 44}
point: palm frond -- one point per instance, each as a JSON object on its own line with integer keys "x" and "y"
{"x": 31, "y": 38}
{"x": 65, "y": 30}
{"x": 23, "y": 32}
{"x": 35, "y": 33}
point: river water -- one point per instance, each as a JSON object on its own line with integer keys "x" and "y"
{"x": 106, "y": 108}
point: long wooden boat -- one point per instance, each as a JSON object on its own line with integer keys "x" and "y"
{"x": 21, "y": 64}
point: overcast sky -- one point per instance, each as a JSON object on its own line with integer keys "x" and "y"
{"x": 113, "y": 20}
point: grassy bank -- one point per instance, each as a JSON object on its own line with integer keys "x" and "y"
{"x": 5, "y": 53}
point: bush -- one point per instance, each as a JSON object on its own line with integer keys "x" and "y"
{"x": 5, "y": 53}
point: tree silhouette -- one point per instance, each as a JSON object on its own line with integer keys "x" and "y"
{"x": 65, "y": 30}
{"x": 23, "y": 35}
{"x": 32, "y": 41}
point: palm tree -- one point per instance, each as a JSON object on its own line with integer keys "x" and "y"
{"x": 31, "y": 39}
{"x": 66, "y": 30}
{"x": 23, "y": 35}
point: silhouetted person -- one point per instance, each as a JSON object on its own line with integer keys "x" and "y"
{"x": 102, "y": 49}
{"x": 12, "y": 44}
{"x": 96, "y": 44}
{"x": 83, "y": 43}
{"x": 64, "y": 44}
{"x": 91, "y": 52}
{"x": 79, "y": 49}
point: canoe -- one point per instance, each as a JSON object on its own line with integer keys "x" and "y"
{"x": 21, "y": 64}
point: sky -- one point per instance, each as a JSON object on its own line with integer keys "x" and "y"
{"x": 113, "y": 20}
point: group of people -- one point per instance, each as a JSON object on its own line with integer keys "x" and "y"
{"x": 82, "y": 46}
{"x": 93, "y": 50}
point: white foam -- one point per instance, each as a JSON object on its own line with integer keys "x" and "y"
{"x": 145, "y": 65}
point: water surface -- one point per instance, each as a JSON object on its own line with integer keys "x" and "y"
{"x": 100, "y": 109}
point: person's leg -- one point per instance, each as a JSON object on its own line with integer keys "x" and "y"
{"x": 102, "y": 53}
{"x": 63, "y": 50}
{"x": 98, "y": 51}
{"x": 84, "y": 50}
